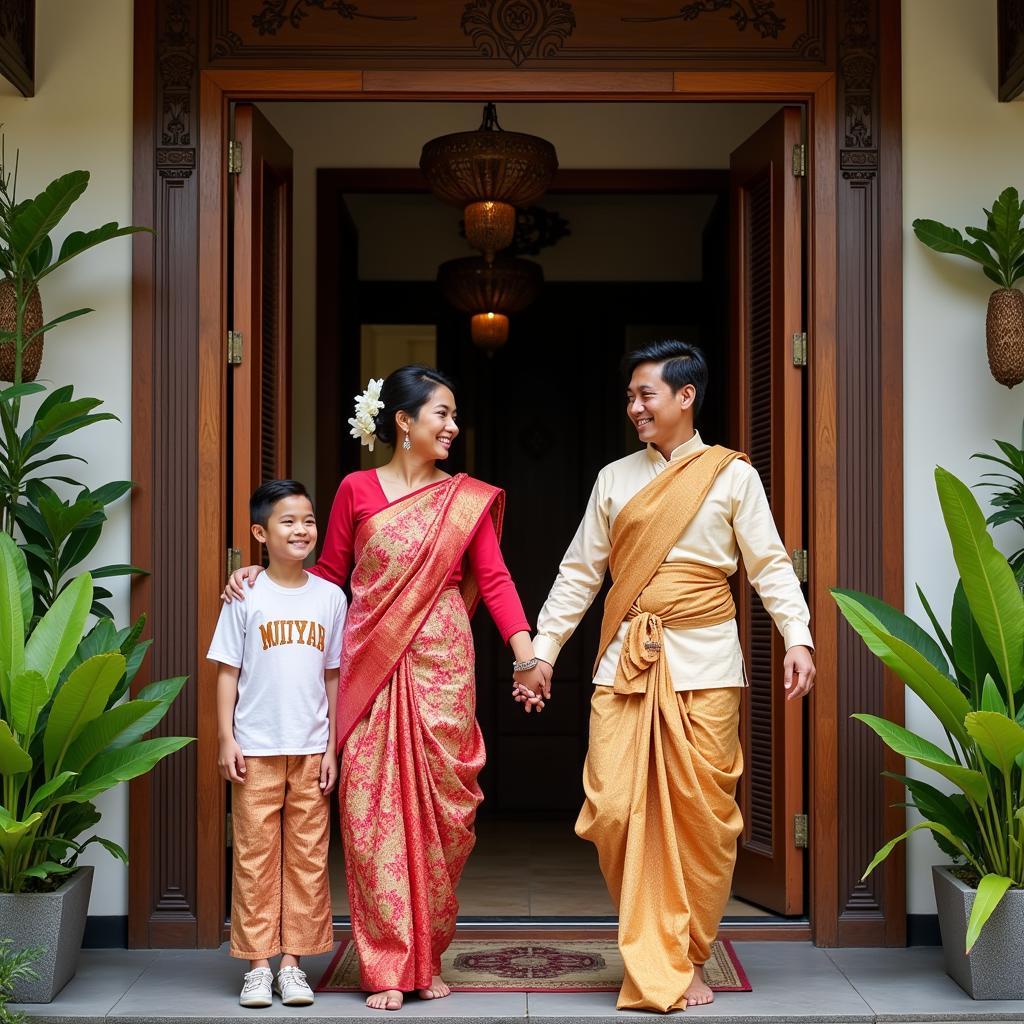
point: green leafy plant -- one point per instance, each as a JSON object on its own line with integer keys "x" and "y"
{"x": 1008, "y": 492}
{"x": 59, "y": 534}
{"x": 972, "y": 680}
{"x": 998, "y": 247}
{"x": 15, "y": 966}
{"x": 66, "y": 735}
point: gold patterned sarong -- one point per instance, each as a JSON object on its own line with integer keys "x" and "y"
{"x": 662, "y": 767}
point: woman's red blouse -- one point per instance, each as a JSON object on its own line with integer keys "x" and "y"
{"x": 360, "y": 496}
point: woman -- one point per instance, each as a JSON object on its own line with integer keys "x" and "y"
{"x": 421, "y": 547}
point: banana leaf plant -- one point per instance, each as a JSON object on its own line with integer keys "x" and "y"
{"x": 1007, "y": 492}
{"x": 66, "y": 734}
{"x": 972, "y": 680}
{"x": 33, "y": 454}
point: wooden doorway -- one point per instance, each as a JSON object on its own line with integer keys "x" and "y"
{"x": 790, "y": 895}
{"x": 177, "y": 816}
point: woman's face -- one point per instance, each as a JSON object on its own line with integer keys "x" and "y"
{"x": 434, "y": 429}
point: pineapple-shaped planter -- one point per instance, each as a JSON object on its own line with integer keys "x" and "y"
{"x": 32, "y": 355}
{"x": 1004, "y": 335}
{"x": 999, "y": 249}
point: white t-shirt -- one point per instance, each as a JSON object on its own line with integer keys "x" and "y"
{"x": 283, "y": 639}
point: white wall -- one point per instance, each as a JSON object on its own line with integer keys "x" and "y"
{"x": 586, "y": 135}
{"x": 80, "y": 118}
{"x": 960, "y": 149}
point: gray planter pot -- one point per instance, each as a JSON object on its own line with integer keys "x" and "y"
{"x": 53, "y": 920}
{"x": 992, "y": 969}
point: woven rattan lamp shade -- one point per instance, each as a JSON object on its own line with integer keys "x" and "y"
{"x": 504, "y": 286}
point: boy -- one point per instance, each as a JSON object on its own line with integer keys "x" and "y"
{"x": 279, "y": 651}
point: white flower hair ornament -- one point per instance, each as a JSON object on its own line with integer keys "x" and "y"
{"x": 368, "y": 404}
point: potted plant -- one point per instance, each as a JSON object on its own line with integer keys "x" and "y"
{"x": 999, "y": 249}
{"x": 972, "y": 680}
{"x": 66, "y": 736}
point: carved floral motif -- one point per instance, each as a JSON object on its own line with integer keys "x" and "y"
{"x": 761, "y": 14}
{"x": 275, "y": 14}
{"x": 518, "y": 29}
{"x": 858, "y": 61}
{"x": 177, "y": 65}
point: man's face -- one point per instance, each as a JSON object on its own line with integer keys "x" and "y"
{"x": 657, "y": 413}
{"x": 290, "y": 533}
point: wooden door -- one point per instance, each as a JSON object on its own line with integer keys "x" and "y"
{"x": 261, "y": 318}
{"x": 767, "y": 304}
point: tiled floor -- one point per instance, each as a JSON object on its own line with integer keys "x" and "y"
{"x": 527, "y": 869}
{"x": 792, "y": 982}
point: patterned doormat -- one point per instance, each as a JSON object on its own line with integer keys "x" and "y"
{"x": 545, "y": 965}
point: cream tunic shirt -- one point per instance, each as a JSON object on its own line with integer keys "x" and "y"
{"x": 734, "y": 519}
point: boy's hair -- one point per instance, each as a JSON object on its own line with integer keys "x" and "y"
{"x": 268, "y": 494}
{"x": 681, "y": 364}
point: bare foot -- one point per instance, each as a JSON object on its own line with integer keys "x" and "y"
{"x": 698, "y": 994}
{"x": 391, "y": 999}
{"x": 438, "y": 989}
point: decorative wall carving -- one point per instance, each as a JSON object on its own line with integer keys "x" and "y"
{"x": 760, "y": 14}
{"x": 517, "y": 33}
{"x": 858, "y": 63}
{"x": 1011, "y": 48}
{"x": 275, "y": 14}
{"x": 18, "y": 44}
{"x": 177, "y": 66}
{"x": 518, "y": 29}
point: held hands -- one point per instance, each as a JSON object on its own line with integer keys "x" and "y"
{"x": 328, "y": 771}
{"x": 234, "y": 589}
{"x": 800, "y": 671}
{"x": 533, "y": 688}
{"x": 231, "y": 761}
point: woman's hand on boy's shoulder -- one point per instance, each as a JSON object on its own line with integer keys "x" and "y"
{"x": 235, "y": 589}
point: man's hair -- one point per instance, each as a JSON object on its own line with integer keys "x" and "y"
{"x": 268, "y": 494}
{"x": 681, "y": 364}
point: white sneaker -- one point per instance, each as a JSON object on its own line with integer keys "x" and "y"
{"x": 293, "y": 988}
{"x": 256, "y": 991}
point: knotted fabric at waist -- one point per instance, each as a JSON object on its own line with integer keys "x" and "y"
{"x": 682, "y": 595}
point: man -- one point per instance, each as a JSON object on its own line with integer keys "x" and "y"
{"x": 671, "y": 522}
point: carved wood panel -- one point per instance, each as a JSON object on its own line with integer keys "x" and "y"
{"x": 18, "y": 44}
{"x": 169, "y": 478}
{"x": 865, "y": 528}
{"x": 1011, "y": 48}
{"x": 518, "y": 33}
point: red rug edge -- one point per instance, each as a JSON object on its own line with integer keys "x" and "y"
{"x": 744, "y": 985}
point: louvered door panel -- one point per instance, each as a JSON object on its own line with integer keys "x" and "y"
{"x": 261, "y": 313}
{"x": 767, "y": 424}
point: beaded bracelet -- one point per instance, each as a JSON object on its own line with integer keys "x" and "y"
{"x": 524, "y": 666}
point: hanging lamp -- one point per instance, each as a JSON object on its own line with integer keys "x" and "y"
{"x": 489, "y": 172}
{"x": 489, "y": 292}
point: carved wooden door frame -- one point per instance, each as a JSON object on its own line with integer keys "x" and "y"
{"x": 854, "y": 402}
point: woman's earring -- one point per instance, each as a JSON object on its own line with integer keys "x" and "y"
{"x": 407, "y": 444}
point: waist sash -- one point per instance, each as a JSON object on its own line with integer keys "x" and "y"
{"x": 682, "y": 595}
{"x": 649, "y": 526}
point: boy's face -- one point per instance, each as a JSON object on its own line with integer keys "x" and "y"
{"x": 290, "y": 533}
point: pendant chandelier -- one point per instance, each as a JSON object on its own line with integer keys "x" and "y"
{"x": 489, "y": 172}
{"x": 489, "y": 292}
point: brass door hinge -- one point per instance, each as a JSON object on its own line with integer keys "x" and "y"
{"x": 234, "y": 157}
{"x": 800, "y": 160}
{"x": 800, "y": 840}
{"x": 234, "y": 560}
{"x": 234, "y": 348}
{"x": 800, "y": 564}
{"x": 800, "y": 348}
